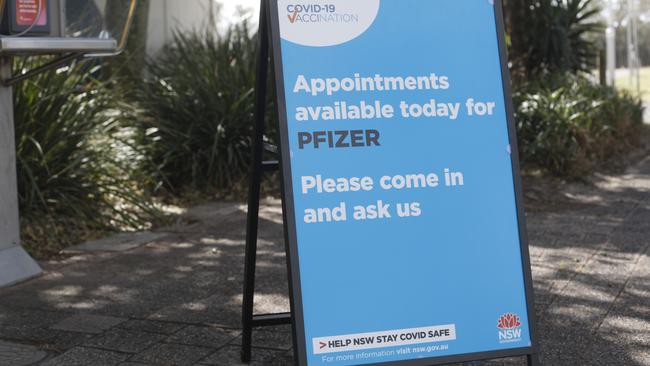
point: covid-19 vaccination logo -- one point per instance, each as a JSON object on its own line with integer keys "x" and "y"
{"x": 330, "y": 23}
{"x": 509, "y": 328}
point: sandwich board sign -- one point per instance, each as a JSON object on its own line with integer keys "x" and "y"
{"x": 404, "y": 219}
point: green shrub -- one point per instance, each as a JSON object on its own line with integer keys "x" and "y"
{"x": 567, "y": 124}
{"x": 196, "y": 118}
{"x": 552, "y": 36}
{"x": 74, "y": 172}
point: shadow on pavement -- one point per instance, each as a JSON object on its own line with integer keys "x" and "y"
{"x": 177, "y": 301}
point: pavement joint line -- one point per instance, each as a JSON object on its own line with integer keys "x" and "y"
{"x": 68, "y": 313}
{"x": 132, "y": 355}
{"x": 84, "y": 345}
{"x": 161, "y": 321}
{"x": 180, "y": 343}
{"x": 183, "y": 326}
{"x": 37, "y": 344}
{"x": 200, "y": 362}
{"x": 24, "y": 342}
{"x": 216, "y": 350}
{"x": 152, "y": 332}
{"x": 260, "y": 347}
{"x": 623, "y": 288}
{"x": 574, "y": 273}
{"x": 201, "y": 324}
{"x": 143, "y": 351}
{"x": 166, "y": 340}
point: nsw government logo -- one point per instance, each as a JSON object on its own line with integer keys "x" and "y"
{"x": 509, "y": 326}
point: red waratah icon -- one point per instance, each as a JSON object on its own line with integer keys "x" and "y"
{"x": 509, "y": 321}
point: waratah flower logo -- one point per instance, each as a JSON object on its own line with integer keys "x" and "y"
{"x": 509, "y": 321}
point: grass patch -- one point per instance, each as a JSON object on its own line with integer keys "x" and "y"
{"x": 623, "y": 82}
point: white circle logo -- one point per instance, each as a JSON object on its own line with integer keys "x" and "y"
{"x": 329, "y": 23}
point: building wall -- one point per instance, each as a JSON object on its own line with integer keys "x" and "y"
{"x": 166, "y": 16}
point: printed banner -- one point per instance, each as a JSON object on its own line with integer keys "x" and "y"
{"x": 400, "y": 169}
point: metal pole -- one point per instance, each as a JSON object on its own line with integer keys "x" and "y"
{"x": 254, "y": 185}
{"x": 611, "y": 55}
{"x": 15, "y": 264}
{"x": 633, "y": 46}
{"x": 610, "y": 39}
{"x": 628, "y": 30}
{"x": 602, "y": 67}
{"x": 635, "y": 43}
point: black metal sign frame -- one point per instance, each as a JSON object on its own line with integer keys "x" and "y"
{"x": 269, "y": 49}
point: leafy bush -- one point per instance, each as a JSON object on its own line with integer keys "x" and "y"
{"x": 567, "y": 124}
{"x": 552, "y": 35}
{"x": 73, "y": 171}
{"x": 197, "y": 105}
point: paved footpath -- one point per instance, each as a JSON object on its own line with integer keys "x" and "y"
{"x": 176, "y": 300}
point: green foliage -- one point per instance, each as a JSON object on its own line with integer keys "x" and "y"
{"x": 552, "y": 36}
{"x": 196, "y": 116}
{"x": 566, "y": 124}
{"x": 86, "y": 147}
{"x": 72, "y": 168}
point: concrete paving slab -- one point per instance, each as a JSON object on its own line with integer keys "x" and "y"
{"x": 273, "y": 340}
{"x": 33, "y": 326}
{"x": 125, "y": 341}
{"x": 88, "y": 323}
{"x": 211, "y": 337}
{"x": 17, "y": 354}
{"x": 151, "y": 326}
{"x": 15, "y": 316}
{"x": 81, "y": 356}
{"x": 47, "y": 339}
{"x": 230, "y": 356}
{"x": 116, "y": 243}
{"x": 166, "y": 354}
{"x": 513, "y": 361}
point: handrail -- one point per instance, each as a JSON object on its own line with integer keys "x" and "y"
{"x": 127, "y": 25}
{"x": 126, "y": 30}
{"x": 125, "y": 33}
{"x": 121, "y": 46}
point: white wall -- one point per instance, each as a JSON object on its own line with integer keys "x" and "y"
{"x": 165, "y": 16}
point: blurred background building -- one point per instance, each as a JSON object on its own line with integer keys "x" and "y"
{"x": 166, "y": 16}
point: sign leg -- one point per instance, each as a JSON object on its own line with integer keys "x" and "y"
{"x": 533, "y": 360}
{"x": 254, "y": 187}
